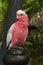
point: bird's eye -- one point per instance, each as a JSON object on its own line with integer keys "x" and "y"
{"x": 21, "y": 14}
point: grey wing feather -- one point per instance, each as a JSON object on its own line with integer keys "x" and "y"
{"x": 9, "y": 35}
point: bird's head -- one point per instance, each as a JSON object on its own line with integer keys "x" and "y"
{"x": 20, "y": 13}
{"x": 22, "y": 17}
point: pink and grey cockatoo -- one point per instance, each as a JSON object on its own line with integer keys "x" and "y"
{"x": 18, "y": 31}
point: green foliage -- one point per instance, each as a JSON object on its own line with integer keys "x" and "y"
{"x": 35, "y": 38}
{"x": 32, "y": 6}
{"x": 3, "y": 8}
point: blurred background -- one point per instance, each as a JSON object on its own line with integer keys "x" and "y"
{"x": 34, "y": 43}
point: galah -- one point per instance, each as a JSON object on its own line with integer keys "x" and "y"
{"x": 18, "y": 32}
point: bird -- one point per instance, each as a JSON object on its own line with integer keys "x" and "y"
{"x": 18, "y": 32}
